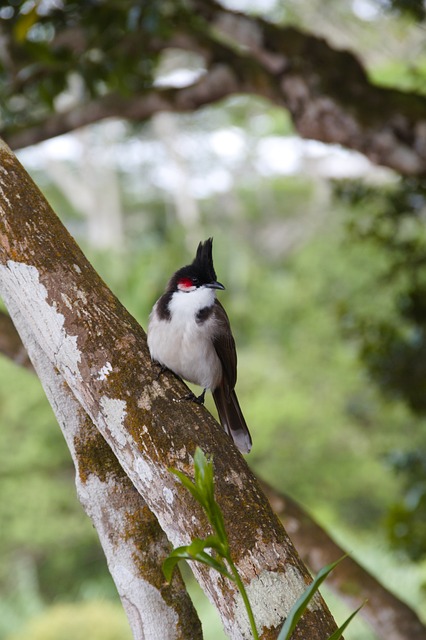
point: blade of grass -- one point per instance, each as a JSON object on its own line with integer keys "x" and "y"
{"x": 339, "y": 632}
{"x": 302, "y": 603}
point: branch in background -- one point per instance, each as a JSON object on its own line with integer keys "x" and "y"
{"x": 350, "y": 581}
{"x": 390, "y": 618}
{"x": 218, "y": 83}
{"x": 326, "y": 91}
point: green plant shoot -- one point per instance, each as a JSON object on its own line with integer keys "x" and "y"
{"x": 202, "y": 489}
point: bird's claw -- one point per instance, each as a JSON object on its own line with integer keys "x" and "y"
{"x": 193, "y": 398}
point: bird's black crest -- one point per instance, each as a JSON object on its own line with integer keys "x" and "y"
{"x": 200, "y": 269}
{"x": 203, "y": 261}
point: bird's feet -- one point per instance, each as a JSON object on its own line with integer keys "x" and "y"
{"x": 193, "y": 398}
{"x": 189, "y": 396}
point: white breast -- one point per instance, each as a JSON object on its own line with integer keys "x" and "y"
{"x": 183, "y": 345}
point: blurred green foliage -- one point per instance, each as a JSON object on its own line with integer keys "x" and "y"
{"x": 107, "y": 47}
{"x": 97, "y": 620}
{"x": 390, "y": 332}
{"x": 406, "y": 519}
{"x": 413, "y": 8}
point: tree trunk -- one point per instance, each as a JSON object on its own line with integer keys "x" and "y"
{"x": 100, "y": 352}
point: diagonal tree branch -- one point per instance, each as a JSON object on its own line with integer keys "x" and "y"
{"x": 101, "y": 353}
{"x": 215, "y": 85}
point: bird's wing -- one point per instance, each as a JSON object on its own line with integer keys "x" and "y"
{"x": 224, "y": 344}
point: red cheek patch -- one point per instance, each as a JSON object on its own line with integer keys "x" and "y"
{"x": 185, "y": 284}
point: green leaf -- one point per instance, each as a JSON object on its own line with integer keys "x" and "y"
{"x": 189, "y": 485}
{"x": 171, "y": 561}
{"x": 204, "y": 476}
{"x": 211, "y": 542}
{"x": 218, "y": 524}
{"x": 194, "y": 551}
{"x": 302, "y": 603}
{"x": 214, "y": 542}
{"x": 338, "y": 633}
{"x": 202, "y": 489}
{"x": 204, "y": 479}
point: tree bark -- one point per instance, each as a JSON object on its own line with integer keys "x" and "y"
{"x": 100, "y": 352}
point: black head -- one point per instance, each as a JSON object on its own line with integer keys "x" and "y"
{"x": 199, "y": 273}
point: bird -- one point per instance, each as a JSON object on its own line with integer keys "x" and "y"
{"x": 190, "y": 334}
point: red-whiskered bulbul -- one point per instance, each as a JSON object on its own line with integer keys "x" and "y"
{"x": 189, "y": 333}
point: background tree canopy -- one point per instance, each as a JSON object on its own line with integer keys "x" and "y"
{"x": 322, "y": 252}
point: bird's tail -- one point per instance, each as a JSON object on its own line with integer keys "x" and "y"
{"x": 231, "y": 418}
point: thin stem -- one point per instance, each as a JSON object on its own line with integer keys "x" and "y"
{"x": 242, "y": 590}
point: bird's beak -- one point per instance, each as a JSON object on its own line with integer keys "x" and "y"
{"x": 215, "y": 285}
